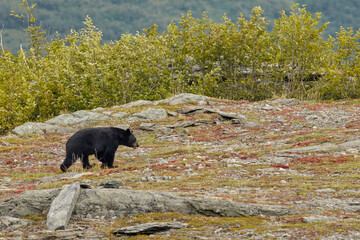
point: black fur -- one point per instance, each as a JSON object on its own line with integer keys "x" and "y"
{"x": 101, "y": 141}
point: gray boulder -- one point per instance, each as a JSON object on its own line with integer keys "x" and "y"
{"x": 28, "y": 203}
{"x": 119, "y": 114}
{"x": 152, "y": 127}
{"x": 232, "y": 116}
{"x": 183, "y": 98}
{"x": 11, "y": 223}
{"x": 62, "y": 207}
{"x": 149, "y": 114}
{"x": 115, "y": 203}
{"x": 326, "y": 147}
{"x": 40, "y": 128}
{"x": 110, "y": 203}
{"x": 78, "y": 117}
{"x": 313, "y": 219}
{"x": 224, "y": 115}
{"x": 284, "y": 101}
{"x": 137, "y": 103}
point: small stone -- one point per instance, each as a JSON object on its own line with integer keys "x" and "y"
{"x": 149, "y": 228}
{"x": 352, "y": 150}
{"x": 111, "y": 184}
{"x": 237, "y": 121}
{"x": 311, "y": 117}
{"x": 99, "y": 109}
{"x": 172, "y": 114}
{"x": 281, "y": 101}
{"x": 108, "y": 113}
{"x": 149, "y": 178}
{"x": 252, "y": 124}
{"x": 326, "y": 190}
{"x": 123, "y": 126}
{"x": 119, "y": 114}
{"x": 313, "y": 219}
{"x": 267, "y": 108}
{"x": 137, "y": 103}
{"x": 183, "y": 98}
{"x": 85, "y": 186}
{"x": 6, "y": 179}
{"x": 279, "y": 120}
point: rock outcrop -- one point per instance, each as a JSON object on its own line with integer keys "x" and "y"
{"x": 115, "y": 203}
{"x": 60, "y": 124}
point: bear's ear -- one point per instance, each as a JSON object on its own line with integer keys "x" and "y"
{"x": 128, "y": 132}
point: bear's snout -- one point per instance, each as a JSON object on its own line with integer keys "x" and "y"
{"x": 135, "y": 145}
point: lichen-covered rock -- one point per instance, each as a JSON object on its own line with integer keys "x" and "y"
{"x": 40, "y": 128}
{"x": 110, "y": 203}
{"x": 11, "y": 223}
{"x": 183, "y": 98}
{"x": 149, "y": 114}
{"x": 78, "y": 117}
{"x": 62, "y": 207}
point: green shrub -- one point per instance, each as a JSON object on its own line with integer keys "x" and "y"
{"x": 233, "y": 60}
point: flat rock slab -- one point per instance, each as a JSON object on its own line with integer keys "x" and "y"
{"x": 110, "y": 203}
{"x": 313, "y": 219}
{"x": 111, "y": 184}
{"x": 224, "y": 115}
{"x": 183, "y": 98}
{"x": 149, "y": 228}
{"x": 78, "y": 117}
{"x": 149, "y": 114}
{"x": 40, "y": 128}
{"x": 117, "y": 203}
{"x": 12, "y": 223}
{"x": 28, "y": 203}
{"x": 62, "y": 207}
{"x": 137, "y": 104}
{"x": 285, "y": 101}
{"x": 325, "y": 147}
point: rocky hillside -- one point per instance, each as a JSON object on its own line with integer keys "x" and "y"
{"x": 277, "y": 169}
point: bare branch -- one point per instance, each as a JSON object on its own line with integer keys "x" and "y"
{"x": 1, "y": 42}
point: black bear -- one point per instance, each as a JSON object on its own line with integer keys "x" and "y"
{"x": 101, "y": 141}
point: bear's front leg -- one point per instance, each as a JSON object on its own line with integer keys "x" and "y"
{"x": 108, "y": 158}
{"x": 85, "y": 162}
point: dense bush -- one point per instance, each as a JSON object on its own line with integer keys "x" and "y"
{"x": 241, "y": 60}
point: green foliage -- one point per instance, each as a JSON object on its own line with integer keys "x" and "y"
{"x": 242, "y": 60}
{"x": 35, "y": 33}
{"x": 300, "y": 47}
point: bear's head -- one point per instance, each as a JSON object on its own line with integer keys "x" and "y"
{"x": 130, "y": 139}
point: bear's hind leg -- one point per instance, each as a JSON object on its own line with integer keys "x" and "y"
{"x": 68, "y": 161}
